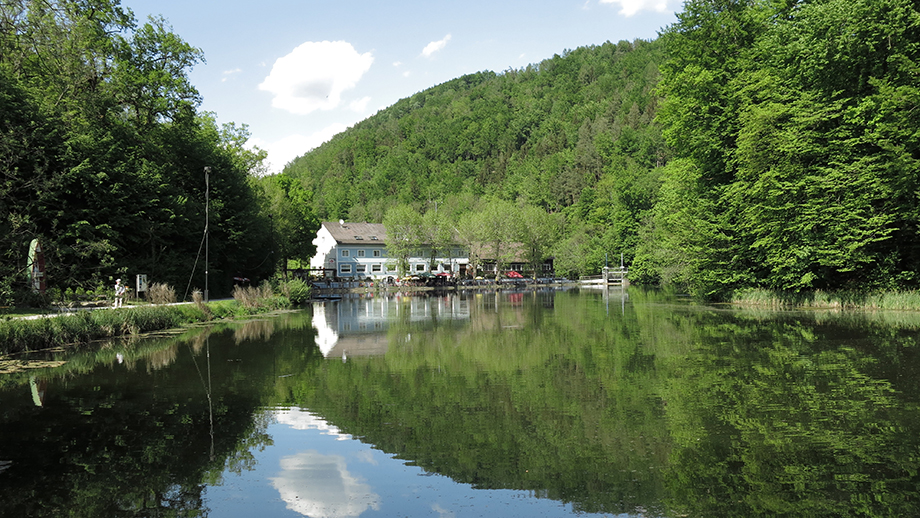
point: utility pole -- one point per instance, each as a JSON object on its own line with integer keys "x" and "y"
{"x": 207, "y": 230}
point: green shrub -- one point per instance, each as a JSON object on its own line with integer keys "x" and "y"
{"x": 297, "y": 291}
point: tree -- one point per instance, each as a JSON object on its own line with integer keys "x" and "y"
{"x": 293, "y": 223}
{"x": 538, "y": 233}
{"x": 436, "y": 234}
{"x": 403, "y": 225}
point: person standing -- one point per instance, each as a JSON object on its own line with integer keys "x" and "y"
{"x": 119, "y": 293}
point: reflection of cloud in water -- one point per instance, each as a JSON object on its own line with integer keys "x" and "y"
{"x": 367, "y": 457}
{"x": 320, "y": 486}
{"x": 444, "y": 513}
{"x": 301, "y": 420}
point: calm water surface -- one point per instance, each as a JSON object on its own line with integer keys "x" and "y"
{"x": 527, "y": 403}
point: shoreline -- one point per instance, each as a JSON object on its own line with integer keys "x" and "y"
{"x": 77, "y": 328}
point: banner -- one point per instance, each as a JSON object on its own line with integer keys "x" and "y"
{"x": 37, "y": 266}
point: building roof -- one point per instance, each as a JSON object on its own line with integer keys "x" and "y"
{"x": 356, "y": 233}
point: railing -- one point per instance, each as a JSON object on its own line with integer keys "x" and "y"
{"x": 615, "y": 277}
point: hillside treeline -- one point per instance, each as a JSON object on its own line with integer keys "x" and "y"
{"x": 103, "y": 152}
{"x": 573, "y": 134}
{"x": 754, "y": 144}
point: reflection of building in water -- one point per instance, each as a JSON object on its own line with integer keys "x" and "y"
{"x": 358, "y": 326}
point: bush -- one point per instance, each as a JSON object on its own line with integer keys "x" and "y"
{"x": 297, "y": 291}
{"x": 161, "y": 294}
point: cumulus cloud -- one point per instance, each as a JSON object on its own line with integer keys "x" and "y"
{"x": 631, "y": 7}
{"x": 314, "y": 75}
{"x": 435, "y": 46}
{"x": 280, "y": 152}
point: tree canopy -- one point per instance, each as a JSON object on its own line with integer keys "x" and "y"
{"x": 103, "y": 150}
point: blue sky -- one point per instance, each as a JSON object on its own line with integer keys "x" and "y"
{"x": 298, "y": 72}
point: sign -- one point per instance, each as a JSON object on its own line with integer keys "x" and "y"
{"x": 37, "y": 266}
{"x": 141, "y": 283}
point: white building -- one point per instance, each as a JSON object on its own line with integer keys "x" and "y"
{"x": 358, "y": 251}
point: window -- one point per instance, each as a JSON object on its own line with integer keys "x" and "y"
{"x": 358, "y": 238}
{"x": 377, "y": 253}
{"x": 373, "y": 238}
{"x": 391, "y": 268}
{"x": 344, "y": 268}
{"x": 361, "y": 268}
{"x": 344, "y": 253}
{"x": 420, "y": 267}
{"x": 360, "y": 253}
{"x": 376, "y": 268}
{"x": 455, "y": 252}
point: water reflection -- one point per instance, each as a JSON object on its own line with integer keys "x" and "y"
{"x": 499, "y": 403}
{"x": 320, "y": 486}
{"x": 301, "y": 420}
{"x": 357, "y": 326}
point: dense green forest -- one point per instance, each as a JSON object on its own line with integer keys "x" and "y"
{"x": 754, "y": 144}
{"x": 573, "y": 135}
{"x": 103, "y": 151}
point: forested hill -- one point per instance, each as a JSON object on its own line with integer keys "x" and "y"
{"x": 790, "y": 158}
{"x": 572, "y": 134}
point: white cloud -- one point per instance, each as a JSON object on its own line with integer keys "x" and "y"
{"x": 314, "y": 75}
{"x": 397, "y": 64}
{"x": 282, "y": 151}
{"x": 360, "y": 105}
{"x": 631, "y": 7}
{"x": 435, "y": 46}
{"x": 228, "y": 73}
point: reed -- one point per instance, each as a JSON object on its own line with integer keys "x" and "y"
{"x": 262, "y": 298}
{"x": 161, "y": 294}
{"x": 890, "y": 300}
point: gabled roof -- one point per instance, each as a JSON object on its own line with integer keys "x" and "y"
{"x": 346, "y": 233}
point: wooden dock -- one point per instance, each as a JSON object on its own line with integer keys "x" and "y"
{"x": 609, "y": 277}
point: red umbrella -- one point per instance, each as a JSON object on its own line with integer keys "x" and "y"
{"x": 515, "y": 275}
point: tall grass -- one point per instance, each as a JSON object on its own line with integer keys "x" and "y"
{"x": 253, "y": 298}
{"x": 17, "y": 335}
{"x": 161, "y": 294}
{"x": 85, "y": 326}
{"x": 892, "y": 300}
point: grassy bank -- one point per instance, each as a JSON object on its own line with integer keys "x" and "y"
{"x": 893, "y": 300}
{"x": 19, "y": 335}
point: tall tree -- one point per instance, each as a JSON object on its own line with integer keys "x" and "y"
{"x": 403, "y": 224}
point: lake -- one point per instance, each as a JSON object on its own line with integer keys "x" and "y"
{"x": 513, "y": 403}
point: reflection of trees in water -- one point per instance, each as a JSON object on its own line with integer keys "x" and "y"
{"x": 254, "y": 330}
{"x": 659, "y": 406}
{"x": 528, "y": 394}
{"x": 118, "y": 440}
{"x": 795, "y": 415}
{"x": 161, "y": 359}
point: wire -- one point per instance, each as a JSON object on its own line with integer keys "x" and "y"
{"x": 195, "y": 265}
